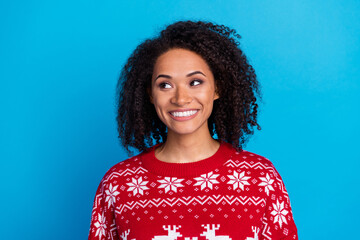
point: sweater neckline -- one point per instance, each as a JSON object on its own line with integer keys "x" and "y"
{"x": 191, "y": 169}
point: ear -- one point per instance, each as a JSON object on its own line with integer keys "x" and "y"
{"x": 150, "y": 95}
{"x": 216, "y": 94}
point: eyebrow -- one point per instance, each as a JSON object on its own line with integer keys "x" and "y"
{"x": 196, "y": 72}
{"x": 188, "y": 75}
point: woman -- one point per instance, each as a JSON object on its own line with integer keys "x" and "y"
{"x": 177, "y": 92}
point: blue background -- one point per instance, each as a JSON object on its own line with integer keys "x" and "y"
{"x": 59, "y": 64}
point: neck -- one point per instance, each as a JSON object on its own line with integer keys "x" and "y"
{"x": 187, "y": 148}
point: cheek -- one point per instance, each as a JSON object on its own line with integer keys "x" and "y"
{"x": 206, "y": 97}
{"x": 160, "y": 107}
{"x": 208, "y": 103}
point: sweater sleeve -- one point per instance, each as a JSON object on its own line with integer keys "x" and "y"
{"x": 103, "y": 225}
{"x": 278, "y": 221}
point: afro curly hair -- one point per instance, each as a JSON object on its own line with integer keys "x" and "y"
{"x": 234, "y": 114}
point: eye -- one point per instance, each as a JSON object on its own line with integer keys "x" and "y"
{"x": 196, "y": 82}
{"x": 164, "y": 85}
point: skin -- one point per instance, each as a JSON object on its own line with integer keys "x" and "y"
{"x": 182, "y": 80}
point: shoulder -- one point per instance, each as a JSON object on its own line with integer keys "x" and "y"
{"x": 124, "y": 169}
{"x": 250, "y": 159}
{"x": 259, "y": 168}
{"x": 252, "y": 163}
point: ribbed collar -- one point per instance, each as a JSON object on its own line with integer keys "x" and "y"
{"x": 192, "y": 169}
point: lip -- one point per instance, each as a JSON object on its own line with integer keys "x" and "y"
{"x": 184, "y": 118}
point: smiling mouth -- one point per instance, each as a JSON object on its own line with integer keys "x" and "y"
{"x": 184, "y": 113}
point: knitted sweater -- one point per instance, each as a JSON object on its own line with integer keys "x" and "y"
{"x": 230, "y": 195}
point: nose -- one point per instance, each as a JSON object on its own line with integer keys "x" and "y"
{"x": 181, "y": 97}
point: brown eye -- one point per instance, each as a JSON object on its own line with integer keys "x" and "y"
{"x": 196, "y": 82}
{"x": 164, "y": 85}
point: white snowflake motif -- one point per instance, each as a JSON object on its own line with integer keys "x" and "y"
{"x": 100, "y": 225}
{"x": 137, "y": 186}
{"x": 206, "y": 180}
{"x": 170, "y": 183}
{"x": 279, "y": 213}
{"x": 238, "y": 180}
{"x": 266, "y": 181}
{"x": 111, "y": 194}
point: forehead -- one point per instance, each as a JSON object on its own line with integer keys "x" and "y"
{"x": 180, "y": 61}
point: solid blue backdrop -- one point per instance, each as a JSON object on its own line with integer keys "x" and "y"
{"x": 59, "y": 64}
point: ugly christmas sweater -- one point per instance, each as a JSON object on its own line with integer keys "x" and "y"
{"x": 230, "y": 195}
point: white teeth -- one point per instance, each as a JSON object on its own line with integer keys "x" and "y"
{"x": 184, "y": 114}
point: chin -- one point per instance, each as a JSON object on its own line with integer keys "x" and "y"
{"x": 185, "y": 130}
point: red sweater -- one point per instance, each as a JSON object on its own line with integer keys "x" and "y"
{"x": 230, "y": 195}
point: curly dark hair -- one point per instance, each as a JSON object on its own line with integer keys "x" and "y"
{"x": 234, "y": 114}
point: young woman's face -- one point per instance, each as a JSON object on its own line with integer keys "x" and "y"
{"x": 183, "y": 91}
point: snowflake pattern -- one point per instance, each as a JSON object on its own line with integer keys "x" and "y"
{"x": 100, "y": 225}
{"x": 137, "y": 186}
{"x": 279, "y": 213}
{"x": 266, "y": 182}
{"x": 111, "y": 194}
{"x": 170, "y": 183}
{"x": 206, "y": 180}
{"x": 238, "y": 180}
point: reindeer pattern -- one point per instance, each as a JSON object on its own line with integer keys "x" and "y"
{"x": 172, "y": 233}
{"x": 125, "y": 234}
{"x": 256, "y": 234}
{"x": 209, "y": 233}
